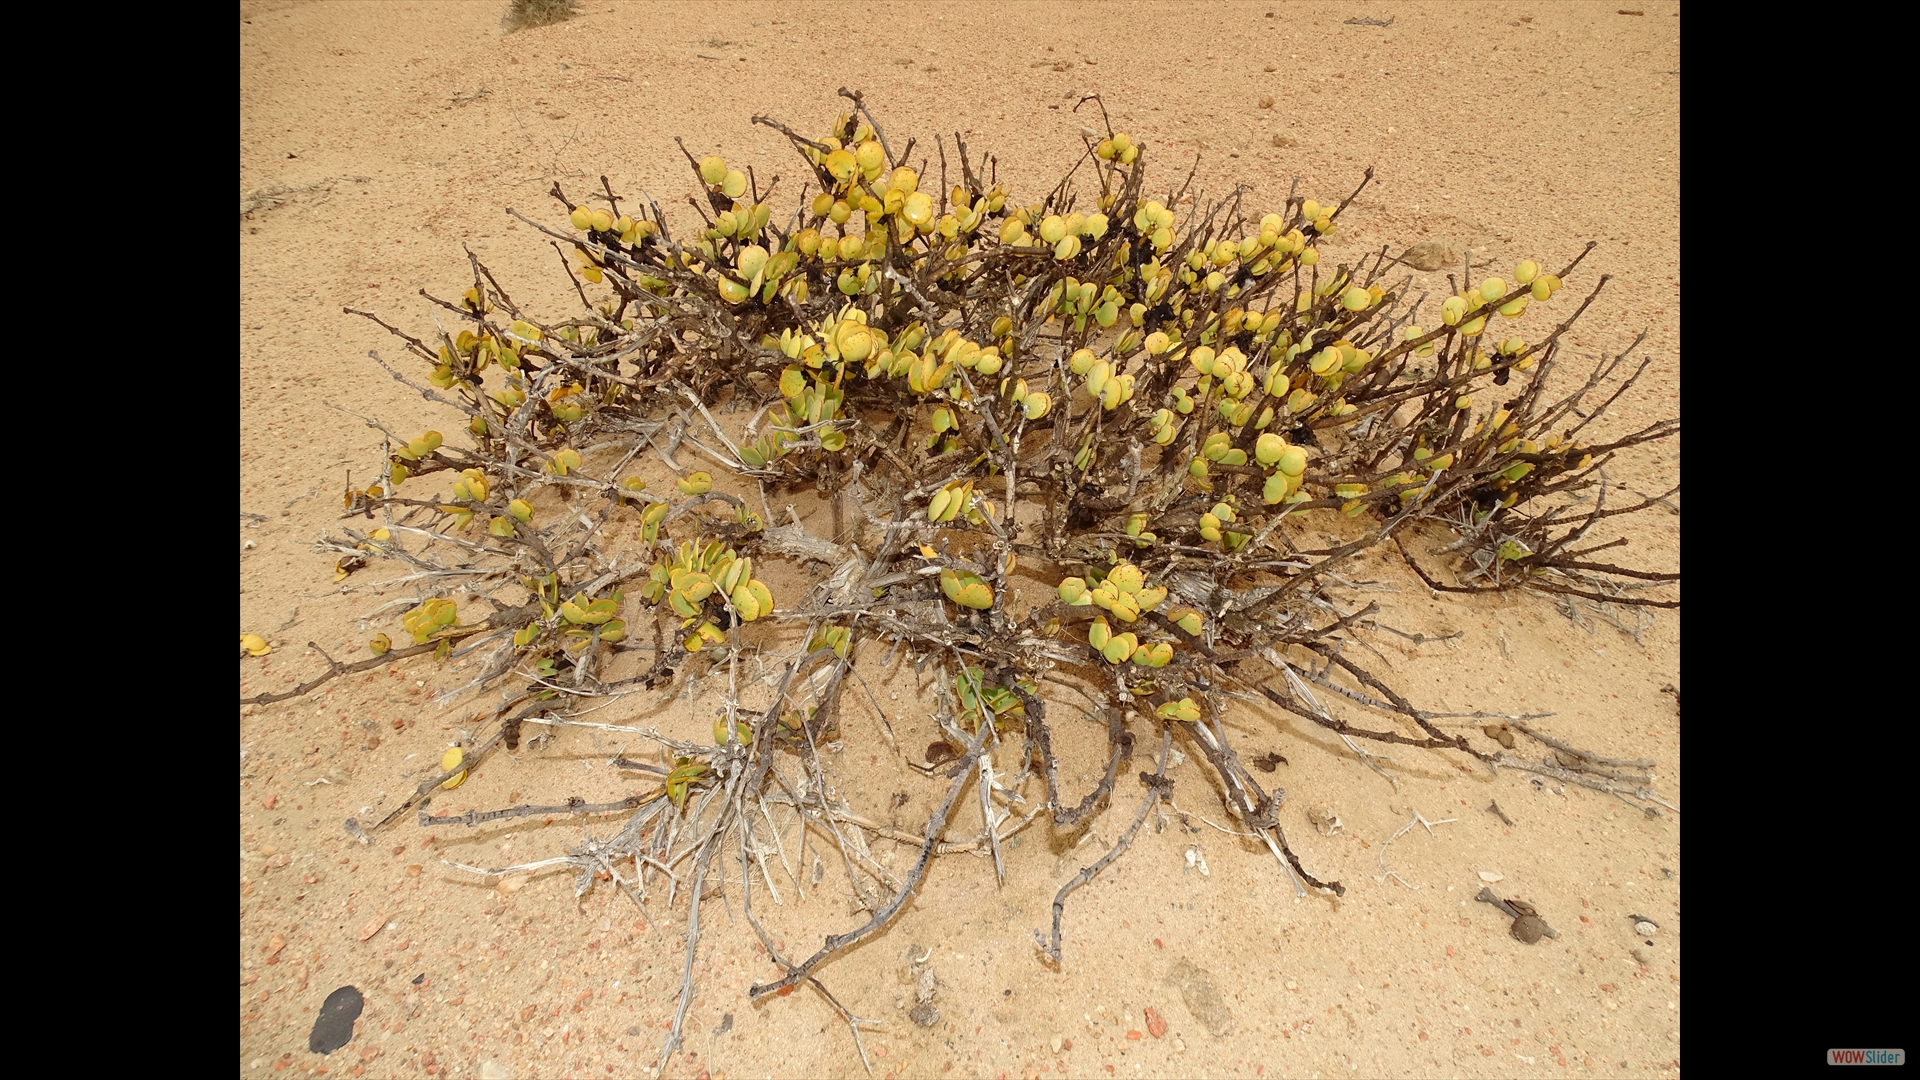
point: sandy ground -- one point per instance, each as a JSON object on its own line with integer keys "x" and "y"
{"x": 376, "y": 139}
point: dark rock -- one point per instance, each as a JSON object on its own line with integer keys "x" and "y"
{"x": 333, "y": 1028}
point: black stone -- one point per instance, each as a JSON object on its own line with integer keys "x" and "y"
{"x": 333, "y": 1028}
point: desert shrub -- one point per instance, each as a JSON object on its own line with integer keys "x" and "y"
{"x": 1116, "y": 407}
{"x": 522, "y": 14}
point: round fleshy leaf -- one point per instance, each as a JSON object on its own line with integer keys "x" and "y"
{"x": 747, "y": 604}
{"x": 976, "y": 595}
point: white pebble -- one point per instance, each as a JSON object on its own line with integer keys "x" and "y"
{"x": 1489, "y": 876}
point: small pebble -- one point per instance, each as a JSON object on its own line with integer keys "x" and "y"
{"x": 1055, "y": 1044}
{"x": 1643, "y": 954}
{"x": 1644, "y": 928}
{"x": 1489, "y": 876}
{"x": 1156, "y": 1024}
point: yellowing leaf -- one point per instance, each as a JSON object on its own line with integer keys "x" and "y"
{"x": 976, "y": 594}
{"x": 746, "y": 603}
{"x": 761, "y": 594}
{"x": 255, "y": 645}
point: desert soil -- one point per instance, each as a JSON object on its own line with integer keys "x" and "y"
{"x": 377, "y": 139}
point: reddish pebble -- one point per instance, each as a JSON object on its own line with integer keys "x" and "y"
{"x": 1066, "y": 1044}
{"x": 1156, "y": 1024}
{"x": 1157, "y": 944}
{"x": 784, "y": 991}
{"x": 1135, "y": 1035}
{"x": 270, "y": 802}
{"x": 369, "y": 1052}
{"x": 279, "y": 862}
{"x": 275, "y": 944}
{"x": 373, "y": 926}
